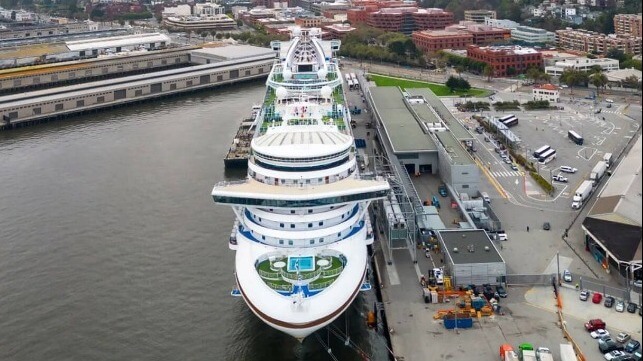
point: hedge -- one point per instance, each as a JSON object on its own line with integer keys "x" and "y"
{"x": 546, "y": 186}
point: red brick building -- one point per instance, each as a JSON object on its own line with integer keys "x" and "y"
{"x": 483, "y": 34}
{"x": 409, "y": 19}
{"x": 362, "y": 8}
{"x": 338, "y": 31}
{"x": 506, "y": 60}
{"x": 430, "y": 41}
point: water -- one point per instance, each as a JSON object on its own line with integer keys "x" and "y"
{"x": 111, "y": 247}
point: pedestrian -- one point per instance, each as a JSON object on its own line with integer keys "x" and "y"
{"x": 527, "y": 228}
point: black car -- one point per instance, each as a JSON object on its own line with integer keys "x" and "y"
{"x": 632, "y": 346}
{"x": 609, "y": 301}
{"x": 631, "y": 307}
{"x": 546, "y": 226}
{"x": 609, "y": 346}
{"x": 501, "y": 292}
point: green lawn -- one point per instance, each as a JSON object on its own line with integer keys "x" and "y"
{"x": 439, "y": 89}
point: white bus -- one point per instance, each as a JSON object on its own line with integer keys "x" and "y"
{"x": 506, "y": 117}
{"x": 547, "y": 157}
{"x": 541, "y": 150}
{"x": 575, "y": 137}
{"x": 510, "y": 122}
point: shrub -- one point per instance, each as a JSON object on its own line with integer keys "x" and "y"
{"x": 546, "y": 186}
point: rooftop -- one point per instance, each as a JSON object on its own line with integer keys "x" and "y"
{"x": 546, "y": 87}
{"x": 456, "y": 128}
{"x": 622, "y": 74}
{"x": 469, "y": 246}
{"x": 615, "y": 218}
{"x": 231, "y": 52}
{"x": 116, "y": 41}
{"x": 403, "y": 130}
{"x": 302, "y": 141}
{"x": 518, "y": 50}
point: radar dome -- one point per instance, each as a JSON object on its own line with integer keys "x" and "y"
{"x": 326, "y": 91}
{"x": 282, "y": 92}
{"x": 321, "y": 73}
{"x": 287, "y": 74}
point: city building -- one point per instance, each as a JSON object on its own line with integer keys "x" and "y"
{"x": 409, "y": 19}
{"x": 178, "y": 10}
{"x": 430, "y": 41}
{"x": 471, "y": 258}
{"x": 582, "y": 64}
{"x": 501, "y": 23}
{"x": 530, "y": 35}
{"x": 613, "y": 225}
{"x": 597, "y": 43}
{"x": 616, "y": 78}
{"x": 506, "y": 60}
{"x": 361, "y": 9}
{"x": 479, "y": 16}
{"x": 628, "y": 24}
{"x": 548, "y": 92}
{"x": 550, "y": 57}
{"x": 482, "y": 34}
{"x": 338, "y": 31}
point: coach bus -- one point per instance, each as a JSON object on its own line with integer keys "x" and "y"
{"x": 575, "y": 137}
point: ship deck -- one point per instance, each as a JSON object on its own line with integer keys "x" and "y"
{"x": 325, "y": 272}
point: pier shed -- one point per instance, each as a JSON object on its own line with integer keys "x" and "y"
{"x": 230, "y": 52}
{"x": 470, "y": 257}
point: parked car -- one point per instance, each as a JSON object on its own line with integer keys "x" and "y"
{"x": 626, "y": 357}
{"x": 595, "y": 324}
{"x": 584, "y": 295}
{"x": 620, "y": 306}
{"x": 609, "y": 301}
{"x": 612, "y": 354}
{"x": 600, "y": 333}
{"x": 631, "y": 307}
{"x": 608, "y": 345}
{"x": 501, "y": 292}
{"x": 546, "y": 226}
{"x": 637, "y": 283}
{"x": 559, "y": 178}
{"x": 623, "y": 337}
{"x": 567, "y": 276}
{"x": 636, "y": 355}
{"x": 597, "y": 297}
{"x": 568, "y": 169}
{"x": 632, "y": 346}
{"x": 514, "y": 167}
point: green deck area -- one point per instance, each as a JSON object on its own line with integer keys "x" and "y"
{"x": 279, "y": 279}
{"x": 438, "y": 89}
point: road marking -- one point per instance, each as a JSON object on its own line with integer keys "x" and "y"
{"x": 492, "y": 180}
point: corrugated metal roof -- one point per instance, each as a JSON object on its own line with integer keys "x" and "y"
{"x": 117, "y": 41}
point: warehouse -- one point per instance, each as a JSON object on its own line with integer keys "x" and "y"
{"x": 471, "y": 258}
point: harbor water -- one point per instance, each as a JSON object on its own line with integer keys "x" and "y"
{"x": 111, "y": 247}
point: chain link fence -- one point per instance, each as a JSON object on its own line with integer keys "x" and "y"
{"x": 594, "y": 285}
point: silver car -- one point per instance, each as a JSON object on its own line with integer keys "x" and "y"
{"x": 620, "y": 306}
{"x": 567, "y": 276}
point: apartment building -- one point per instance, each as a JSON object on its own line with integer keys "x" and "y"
{"x": 506, "y": 60}
{"x": 628, "y": 24}
{"x": 479, "y": 16}
{"x": 593, "y": 42}
{"x": 361, "y": 9}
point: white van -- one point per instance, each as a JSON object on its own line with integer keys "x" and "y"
{"x": 568, "y": 169}
{"x": 485, "y": 197}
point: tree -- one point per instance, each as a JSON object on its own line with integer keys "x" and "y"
{"x": 533, "y": 73}
{"x": 617, "y": 54}
{"x": 459, "y": 69}
{"x": 239, "y": 23}
{"x": 488, "y": 72}
{"x": 599, "y": 80}
{"x": 631, "y": 81}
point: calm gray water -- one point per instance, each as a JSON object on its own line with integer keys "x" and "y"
{"x": 111, "y": 247}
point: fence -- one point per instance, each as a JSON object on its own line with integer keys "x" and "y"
{"x": 595, "y": 285}
{"x": 530, "y": 279}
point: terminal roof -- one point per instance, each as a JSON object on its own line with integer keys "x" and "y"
{"x": 233, "y": 52}
{"x": 457, "y": 129}
{"x": 470, "y": 245}
{"x": 403, "y": 130}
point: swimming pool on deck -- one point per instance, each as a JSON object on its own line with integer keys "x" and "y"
{"x": 301, "y": 264}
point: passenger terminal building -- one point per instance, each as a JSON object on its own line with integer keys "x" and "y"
{"x": 420, "y": 131}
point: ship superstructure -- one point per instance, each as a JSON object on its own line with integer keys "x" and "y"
{"x": 302, "y": 226}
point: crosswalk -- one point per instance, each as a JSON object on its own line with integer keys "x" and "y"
{"x": 506, "y": 174}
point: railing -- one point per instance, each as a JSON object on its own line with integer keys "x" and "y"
{"x": 278, "y": 287}
{"x": 320, "y": 286}
{"x": 269, "y": 275}
{"x": 332, "y": 272}
{"x": 293, "y": 276}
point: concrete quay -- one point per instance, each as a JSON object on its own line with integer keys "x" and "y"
{"x": 36, "y": 106}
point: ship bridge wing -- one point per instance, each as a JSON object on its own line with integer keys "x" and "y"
{"x": 254, "y": 193}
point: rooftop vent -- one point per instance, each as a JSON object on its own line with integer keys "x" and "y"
{"x": 486, "y": 248}
{"x": 455, "y": 249}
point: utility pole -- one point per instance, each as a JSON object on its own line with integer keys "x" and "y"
{"x": 558, "y": 267}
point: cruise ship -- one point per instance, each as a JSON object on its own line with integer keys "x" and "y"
{"x": 302, "y": 227}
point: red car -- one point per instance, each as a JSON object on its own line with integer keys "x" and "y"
{"x": 597, "y": 297}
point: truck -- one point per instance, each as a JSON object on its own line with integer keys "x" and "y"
{"x": 544, "y": 354}
{"x": 528, "y": 355}
{"x": 567, "y": 352}
{"x": 598, "y": 172}
{"x": 507, "y": 353}
{"x": 581, "y": 194}
{"x": 607, "y": 158}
